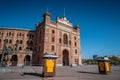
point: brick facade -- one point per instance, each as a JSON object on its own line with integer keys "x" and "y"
{"x": 59, "y": 38}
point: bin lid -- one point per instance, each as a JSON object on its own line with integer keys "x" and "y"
{"x": 104, "y": 58}
{"x": 50, "y": 55}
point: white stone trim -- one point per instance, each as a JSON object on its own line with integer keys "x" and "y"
{"x": 64, "y": 28}
{"x": 74, "y": 64}
{"x": 20, "y": 65}
{"x": 59, "y": 64}
{"x": 52, "y": 25}
{"x": 64, "y": 21}
{"x": 64, "y": 47}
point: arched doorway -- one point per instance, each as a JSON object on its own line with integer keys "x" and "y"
{"x": 65, "y": 58}
{"x": 14, "y": 60}
{"x": 27, "y": 60}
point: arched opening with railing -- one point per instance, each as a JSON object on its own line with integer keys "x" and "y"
{"x": 27, "y": 60}
{"x": 14, "y": 60}
{"x": 65, "y": 58}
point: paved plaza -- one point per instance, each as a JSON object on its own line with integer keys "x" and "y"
{"x": 85, "y": 72}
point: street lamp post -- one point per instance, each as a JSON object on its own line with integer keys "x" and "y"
{"x": 7, "y": 51}
{"x": 4, "y": 50}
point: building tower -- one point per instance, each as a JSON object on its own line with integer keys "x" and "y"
{"x": 59, "y": 38}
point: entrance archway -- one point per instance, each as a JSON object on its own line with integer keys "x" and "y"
{"x": 27, "y": 60}
{"x": 14, "y": 60}
{"x": 65, "y": 58}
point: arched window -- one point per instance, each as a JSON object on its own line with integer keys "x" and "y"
{"x": 52, "y": 48}
{"x": 10, "y": 41}
{"x": 17, "y": 41}
{"x": 27, "y": 48}
{"x": 12, "y": 34}
{"x": 69, "y": 42}
{"x": 75, "y": 51}
{"x": 65, "y": 39}
{"x": 60, "y": 40}
{"x": 23, "y": 35}
{"x": 6, "y": 40}
{"x": 31, "y": 49}
{"x": 53, "y": 31}
{"x": 20, "y": 34}
{"x": 1, "y": 33}
{"x": 9, "y": 33}
{"x": 53, "y": 39}
{"x": 0, "y": 40}
{"x": 76, "y": 60}
{"x": 28, "y": 42}
{"x": 21, "y": 41}
{"x": 27, "y": 35}
{"x": 20, "y": 48}
{"x": 17, "y": 34}
{"x": 75, "y": 37}
{"x": 32, "y": 36}
{"x": 31, "y": 42}
{"x": 75, "y": 44}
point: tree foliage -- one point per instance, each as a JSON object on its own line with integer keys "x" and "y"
{"x": 89, "y": 61}
{"x": 114, "y": 60}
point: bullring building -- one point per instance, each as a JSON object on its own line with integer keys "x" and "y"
{"x": 57, "y": 37}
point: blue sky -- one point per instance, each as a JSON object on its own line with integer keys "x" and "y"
{"x": 99, "y": 20}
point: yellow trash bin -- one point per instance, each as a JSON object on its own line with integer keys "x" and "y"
{"x": 104, "y": 66}
{"x": 49, "y": 65}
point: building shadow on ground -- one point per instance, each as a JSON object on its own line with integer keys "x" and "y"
{"x": 117, "y": 70}
{"x": 87, "y": 72}
{"x": 33, "y": 74}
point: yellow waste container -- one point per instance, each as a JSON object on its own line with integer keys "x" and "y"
{"x": 104, "y": 65}
{"x": 49, "y": 65}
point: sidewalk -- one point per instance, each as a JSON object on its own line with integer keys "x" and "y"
{"x": 15, "y": 73}
{"x": 88, "y": 72}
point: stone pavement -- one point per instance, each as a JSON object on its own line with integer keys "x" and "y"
{"x": 85, "y": 72}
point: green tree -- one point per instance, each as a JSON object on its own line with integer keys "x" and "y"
{"x": 115, "y": 60}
